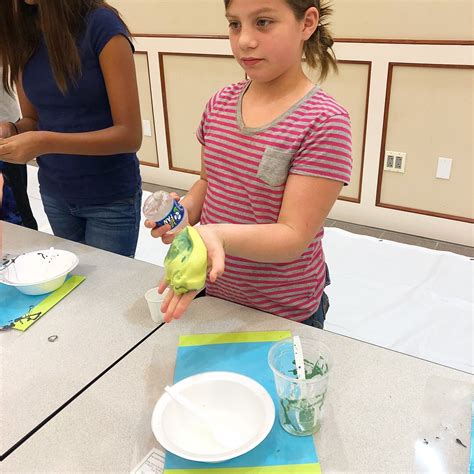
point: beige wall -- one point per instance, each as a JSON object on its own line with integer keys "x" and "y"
{"x": 197, "y": 17}
{"x": 147, "y": 153}
{"x": 431, "y": 116}
{"x": 423, "y": 101}
{"x": 404, "y": 19}
{"x": 186, "y": 97}
{"x": 349, "y": 88}
{"x": 414, "y": 19}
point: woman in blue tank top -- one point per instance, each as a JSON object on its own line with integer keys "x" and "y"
{"x": 73, "y": 68}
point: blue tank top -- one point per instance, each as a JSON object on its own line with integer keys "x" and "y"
{"x": 80, "y": 179}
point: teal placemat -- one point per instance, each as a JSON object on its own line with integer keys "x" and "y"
{"x": 14, "y": 304}
{"x": 20, "y": 311}
{"x": 246, "y": 354}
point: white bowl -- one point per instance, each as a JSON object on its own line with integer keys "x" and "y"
{"x": 238, "y": 400}
{"x": 39, "y": 272}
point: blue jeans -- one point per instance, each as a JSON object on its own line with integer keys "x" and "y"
{"x": 317, "y": 319}
{"x": 113, "y": 227}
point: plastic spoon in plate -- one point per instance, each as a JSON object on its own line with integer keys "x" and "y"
{"x": 224, "y": 435}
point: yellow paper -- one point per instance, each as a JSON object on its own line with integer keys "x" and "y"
{"x": 313, "y": 468}
{"x": 42, "y": 308}
{"x": 225, "y": 338}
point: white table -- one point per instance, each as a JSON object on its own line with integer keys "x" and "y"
{"x": 98, "y": 323}
{"x": 381, "y": 405}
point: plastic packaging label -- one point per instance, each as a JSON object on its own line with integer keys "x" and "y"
{"x": 174, "y": 217}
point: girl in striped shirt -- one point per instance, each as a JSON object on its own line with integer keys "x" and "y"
{"x": 276, "y": 151}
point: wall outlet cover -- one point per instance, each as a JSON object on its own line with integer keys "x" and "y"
{"x": 443, "y": 170}
{"x": 395, "y": 161}
{"x": 146, "y": 127}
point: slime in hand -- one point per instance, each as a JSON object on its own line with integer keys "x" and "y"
{"x": 186, "y": 262}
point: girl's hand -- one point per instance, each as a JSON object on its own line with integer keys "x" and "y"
{"x": 6, "y": 130}
{"x": 158, "y": 232}
{"x": 215, "y": 250}
{"x": 21, "y": 148}
{"x": 175, "y": 305}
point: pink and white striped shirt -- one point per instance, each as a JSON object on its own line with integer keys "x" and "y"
{"x": 247, "y": 170}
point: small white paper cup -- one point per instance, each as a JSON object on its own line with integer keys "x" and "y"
{"x": 154, "y": 300}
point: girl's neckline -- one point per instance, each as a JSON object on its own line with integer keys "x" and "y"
{"x": 253, "y": 130}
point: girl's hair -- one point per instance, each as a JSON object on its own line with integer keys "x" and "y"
{"x": 318, "y": 48}
{"x": 60, "y": 22}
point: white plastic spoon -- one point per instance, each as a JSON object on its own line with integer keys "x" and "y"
{"x": 300, "y": 372}
{"x": 223, "y": 434}
{"x": 299, "y": 359}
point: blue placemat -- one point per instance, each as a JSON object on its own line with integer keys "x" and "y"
{"x": 246, "y": 354}
{"x": 14, "y": 304}
{"x": 20, "y": 311}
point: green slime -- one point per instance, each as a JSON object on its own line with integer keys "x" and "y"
{"x": 300, "y": 416}
{"x": 186, "y": 262}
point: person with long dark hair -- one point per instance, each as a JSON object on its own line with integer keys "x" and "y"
{"x": 72, "y": 65}
{"x": 14, "y": 203}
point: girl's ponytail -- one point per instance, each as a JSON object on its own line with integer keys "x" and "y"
{"x": 318, "y": 48}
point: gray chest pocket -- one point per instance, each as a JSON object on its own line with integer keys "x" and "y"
{"x": 274, "y": 166}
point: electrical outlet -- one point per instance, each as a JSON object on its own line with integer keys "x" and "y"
{"x": 395, "y": 161}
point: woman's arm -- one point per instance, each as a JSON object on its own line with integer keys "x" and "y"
{"x": 124, "y": 136}
{"x": 29, "y": 120}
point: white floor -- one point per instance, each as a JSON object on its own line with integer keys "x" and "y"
{"x": 410, "y": 299}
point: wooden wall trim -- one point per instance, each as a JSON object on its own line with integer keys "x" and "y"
{"x": 168, "y": 132}
{"x": 146, "y": 163}
{"x": 178, "y": 36}
{"x": 185, "y": 170}
{"x": 428, "y": 213}
{"x": 364, "y": 137}
{"x": 165, "y": 108}
{"x": 458, "y": 42}
{"x": 407, "y": 41}
{"x": 378, "y": 202}
{"x": 165, "y": 104}
{"x": 435, "y": 65}
{"x": 349, "y": 199}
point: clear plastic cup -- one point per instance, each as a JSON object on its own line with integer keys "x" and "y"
{"x": 300, "y": 400}
{"x": 154, "y": 300}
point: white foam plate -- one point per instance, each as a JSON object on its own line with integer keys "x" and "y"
{"x": 40, "y": 271}
{"x": 238, "y": 400}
